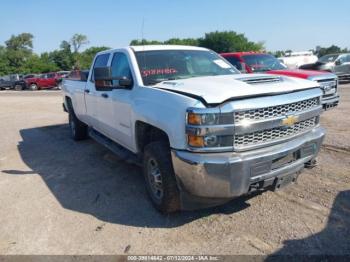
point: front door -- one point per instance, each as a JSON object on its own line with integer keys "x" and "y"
{"x": 92, "y": 95}
{"x": 114, "y": 110}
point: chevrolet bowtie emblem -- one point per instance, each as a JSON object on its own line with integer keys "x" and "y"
{"x": 290, "y": 120}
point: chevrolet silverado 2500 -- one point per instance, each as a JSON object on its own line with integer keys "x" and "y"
{"x": 202, "y": 132}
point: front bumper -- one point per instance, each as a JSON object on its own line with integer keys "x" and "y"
{"x": 329, "y": 102}
{"x": 213, "y": 178}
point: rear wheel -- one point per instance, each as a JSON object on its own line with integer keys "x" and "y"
{"x": 78, "y": 129}
{"x": 160, "y": 178}
{"x": 18, "y": 87}
{"x": 33, "y": 87}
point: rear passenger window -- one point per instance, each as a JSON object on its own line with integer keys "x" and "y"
{"x": 100, "y": 61}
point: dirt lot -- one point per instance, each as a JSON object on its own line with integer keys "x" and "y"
{"x": 63, "y": 197}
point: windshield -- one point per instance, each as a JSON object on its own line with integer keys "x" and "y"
{"x": 263, "y": 62}
{"x": 327, "y": 58}
{"x": 160, "y": 65}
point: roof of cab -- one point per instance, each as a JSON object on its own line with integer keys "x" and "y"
{"x": 154, "y": 48}
{"x": 165, "y": 47}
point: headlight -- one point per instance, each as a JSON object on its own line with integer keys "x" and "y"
{"x": 202, "y": 119}
{"x": 197, "y": 119}
{"x": 208, "y": 129}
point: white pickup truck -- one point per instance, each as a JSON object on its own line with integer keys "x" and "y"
{"x": 202, "y": 132}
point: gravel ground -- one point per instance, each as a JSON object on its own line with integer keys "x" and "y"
{"x": 63, "y": 197}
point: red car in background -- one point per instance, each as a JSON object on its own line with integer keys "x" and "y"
{"x": 254, "y": 62}
{"x": 43, "y": 81}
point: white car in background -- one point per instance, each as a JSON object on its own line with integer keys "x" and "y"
{"x": 294, "y": 60}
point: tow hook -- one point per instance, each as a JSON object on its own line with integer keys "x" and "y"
{"x": 311, "y": 164}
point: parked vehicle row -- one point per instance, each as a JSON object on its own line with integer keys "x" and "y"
{"x": 33, "y": 81}
{"x": 254, "y": 62}
{"x": 338, "y": 64}
{"x": 203, "y": 132}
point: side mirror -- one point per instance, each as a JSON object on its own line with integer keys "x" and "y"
{"x": 338, "y": 62}
{"x": 104, "y": 79}
{"x": 103, "y": 73}
{"x": 125, "y": 82}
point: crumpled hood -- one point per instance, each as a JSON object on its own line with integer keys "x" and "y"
{"x": 217, "y": 89}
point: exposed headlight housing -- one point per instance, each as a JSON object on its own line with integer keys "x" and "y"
{"x": 209, "y": 130}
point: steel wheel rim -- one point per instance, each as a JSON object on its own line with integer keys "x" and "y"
{"x": 155, "y": 178}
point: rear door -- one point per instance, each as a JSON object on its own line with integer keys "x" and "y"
{"x": 51, "y": 80}
{"x": 41, "y": 81}
{"x": 92, "y": 96}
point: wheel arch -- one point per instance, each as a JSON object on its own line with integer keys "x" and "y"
{"x": 146, "y": 133}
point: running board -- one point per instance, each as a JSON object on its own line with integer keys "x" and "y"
{"x": 121, "y": 152}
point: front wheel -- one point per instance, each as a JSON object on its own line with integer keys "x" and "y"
{"x": 160, "y": 178}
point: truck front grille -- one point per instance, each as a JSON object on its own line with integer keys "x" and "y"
{"x": 275, "y": 111}
{"x": 244, "y": 141}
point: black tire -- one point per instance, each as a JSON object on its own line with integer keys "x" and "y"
{"x": 164, "y": 192}
{"x": 33, "y": 87}
{"x": 18, "y": 87}
{"x": 79, "y": 130}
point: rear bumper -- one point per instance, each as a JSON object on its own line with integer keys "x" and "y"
{"x": 213, "y": 178}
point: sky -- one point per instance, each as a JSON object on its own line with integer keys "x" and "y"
{"x": 289, "y": 24}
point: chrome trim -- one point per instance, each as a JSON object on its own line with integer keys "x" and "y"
{"x": 210, "y": 149}
{"x": 277, "y": 141}
{"x": 269, "y": 101}
{"x": 218, "y": 130}
{"x": 201, "y": 111}
{"x": 323, "y": 77}
{"x": 269, "y": 123}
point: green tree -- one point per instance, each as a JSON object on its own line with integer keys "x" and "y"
{"x": 18, "y": 50}
{"x": 4, "y": 66}
{"x": 77, "y": 41}
{"x": 85, "y": 58}
{"x": 185, "y": 41}
{"x": 278, "y": 53}
{"x": 39, "y": 64}
{"x": 226, "y": 41}
{"x": 333, "y": 49}
{"x": 63, "y": 58}
{"x": 145, "y": 42}
{"x": 229, "y": 41}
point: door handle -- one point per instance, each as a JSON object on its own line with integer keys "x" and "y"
{"x": 87, "y": 91}
{"x": 104, "y": 95}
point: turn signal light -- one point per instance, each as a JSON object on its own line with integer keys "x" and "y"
{"x": 194, "y": 119}
{"x": 195, "y": 141}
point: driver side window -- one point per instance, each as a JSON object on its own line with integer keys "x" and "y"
{"x": 120, "y": 67}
